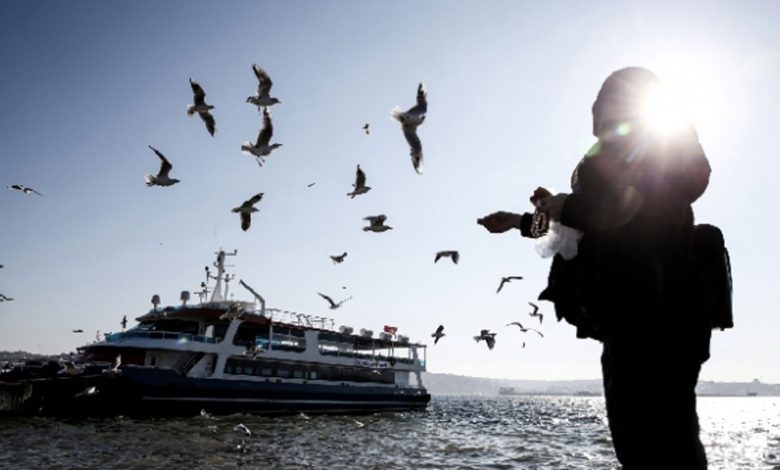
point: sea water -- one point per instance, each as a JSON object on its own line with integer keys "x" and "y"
{"x": 533, "y": 432}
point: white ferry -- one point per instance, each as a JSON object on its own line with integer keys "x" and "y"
{"x": 226, "y": 356}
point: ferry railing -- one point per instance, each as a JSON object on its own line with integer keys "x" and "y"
{"x": 184, "y": 337}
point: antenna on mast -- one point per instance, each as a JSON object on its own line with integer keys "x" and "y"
{"x": 217, "y": 295}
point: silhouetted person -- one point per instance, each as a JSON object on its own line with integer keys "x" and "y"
{"x": 633, "y": 284}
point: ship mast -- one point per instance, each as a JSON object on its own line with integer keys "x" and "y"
{"x": 217, "y": 294}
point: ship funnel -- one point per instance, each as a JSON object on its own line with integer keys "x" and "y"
{"x": 185, "y": 297}
{"x": 155, "y": 301}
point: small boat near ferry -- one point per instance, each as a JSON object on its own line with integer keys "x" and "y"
{"x": 226, "y": 356}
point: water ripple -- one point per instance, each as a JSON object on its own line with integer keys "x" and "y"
{"x": 456, "y": 432}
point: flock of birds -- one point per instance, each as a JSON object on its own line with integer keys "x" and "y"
{"x": 262, "y": 148}
{"x": 490, "y": 337}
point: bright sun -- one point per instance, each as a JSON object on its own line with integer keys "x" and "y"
{"x": 690, "y": 94}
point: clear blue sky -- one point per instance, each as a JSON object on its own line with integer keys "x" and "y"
{"x": 87, "y": 85}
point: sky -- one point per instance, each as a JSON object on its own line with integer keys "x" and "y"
{"x": 88, "y": 85}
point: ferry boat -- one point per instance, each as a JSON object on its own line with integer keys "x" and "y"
{"x": 225, "y": 356}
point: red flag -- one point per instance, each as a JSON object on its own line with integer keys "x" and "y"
{"x": 391, "y": 329}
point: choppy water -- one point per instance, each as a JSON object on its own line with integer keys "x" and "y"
{"x": 455, "y": 432}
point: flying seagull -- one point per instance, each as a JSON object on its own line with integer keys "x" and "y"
{"x": 86, "y": 392}
{"x": 124, "y": 322}
{"x": 438, "y": 334}
{"x": 452, "y": 254}
{"x": 199, "y": 106}
{"x": 360, "y": 184}
{"x": 536, "y": 313}
{"x": 524, "y": 329}
{"x": 409, "y": 121}
{"x": 262, "y": 98}
{"x": 333, "y": 305}
{"x": 24, "y": 189}
{"x": 367, "y": 129}
{"x": 376, "y": 223}
{"x": 506, "y": 279}
{"x": 5, "y": 298}
{"x": 78, "y": 330}
{"x": 490, "y": 338}
{"x": 70, "y": 369}
{"x": 242, "y": 428}
{"x": 311, "y": 184}
{"x": 162, "y": 178}
{"x": 338, "y": 258}
{"x": 246, "y": 210}
{"x": 114, "y": 370}
{"x": 262, "y": 146}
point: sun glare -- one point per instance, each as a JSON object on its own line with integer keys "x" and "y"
{"x": 692, "y": 92}
{"x": 663, "y": 111}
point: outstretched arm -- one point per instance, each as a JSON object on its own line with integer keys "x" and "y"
{"x": 502, "y": 221}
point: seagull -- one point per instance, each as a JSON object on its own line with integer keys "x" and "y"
{"x": 246, "y": 210}
{"x": 360, "y": 184}
{"x": 338, "y": 258}
{"x": 409, "y": 121}
{"x": 262, "y": 146}
{"x": 199, "y": 106}
{"x": 524, "y": 329}
{"x": 367, "y": 129}
{"x": 438, "y": 334}
{"x": 86, "y": 392}
{"x": 24, "y": 189}
{"x": 357, "y": 423}
{"x": 490, "y": 338}
{"x": 124, "y": 322}
{"x": 311, "y": 184}
{"x": 262, "y": 98}
{"x": 5, "y": 298}
{"x": 233, "y": 311}
{"x": 536, "y": 313}
{"x": 70, "y": 369}
{"x": 506, "y": 279}
{"x": 376, "y": 223}
{"x": 453, "y": 255}
{"x": 114, "y": 370}
{"x": 333, "y": 305}
{"x": 162, "y": 178}
{"x": 241, "y": 427}
{"x": 78, "y": 331}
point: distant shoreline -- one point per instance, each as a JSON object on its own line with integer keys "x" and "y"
{"x": 442, "y": 384}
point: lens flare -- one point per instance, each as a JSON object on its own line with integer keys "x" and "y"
{"x": 662, "y": 111}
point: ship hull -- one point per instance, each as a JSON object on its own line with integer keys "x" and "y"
{"x": 141, "y": 391}
{"x": 159, "y": 390}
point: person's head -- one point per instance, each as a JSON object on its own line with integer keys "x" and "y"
{"x": 621, "y": 100}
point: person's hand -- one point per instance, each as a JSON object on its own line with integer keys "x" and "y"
{"x": 553, "y": 206}
{"x": 539, "y": 194}
{"x": 499, "y": 222}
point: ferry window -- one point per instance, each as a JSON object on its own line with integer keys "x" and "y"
{"x": 267, "y": 371}
{"x": 219, "y": 330}
{"x": 247, "y": 370}
{"x": 247, "y": 334}
{"x": 282, "y": 373}
{"x": 298, "y": 374}
{"x": 313, "y": 375}
{"x": 176, "y": 326}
